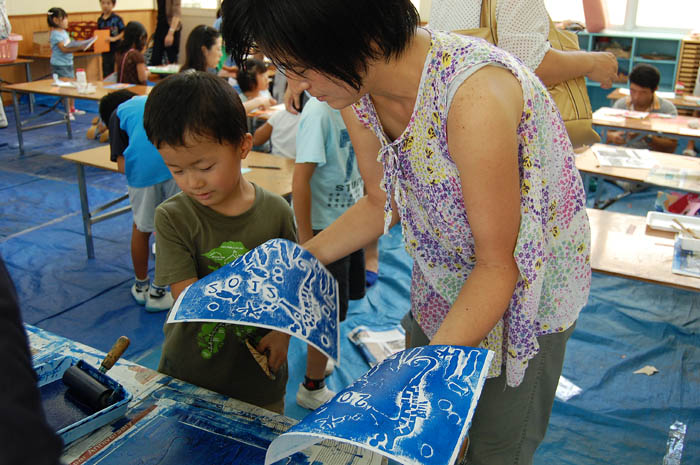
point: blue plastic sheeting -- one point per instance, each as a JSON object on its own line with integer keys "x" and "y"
{"x": 619, "y": 417}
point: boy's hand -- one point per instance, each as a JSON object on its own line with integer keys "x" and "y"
{"x": 275, "y": 345}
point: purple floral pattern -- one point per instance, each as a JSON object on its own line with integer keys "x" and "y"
{"x": 553, "y": 246}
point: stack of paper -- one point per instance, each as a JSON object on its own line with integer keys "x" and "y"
{"x": 623, "y": 157}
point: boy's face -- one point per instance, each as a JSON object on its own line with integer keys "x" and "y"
{"x": 107, "y": 6}
{"x": 208, "y": 171}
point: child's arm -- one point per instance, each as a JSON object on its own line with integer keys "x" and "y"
{"x": 116, "y": 38}
{"x": 118, "y": 141}
{"x": 65, "y": 49}
{"x": 262, "y": 134}
{"x": 301, "y": 193}
{"x": 274, "y": 344}
{"x": 259, "y": 102}
{"x": 142, "y": 71}
{"x": 177, "y": 288}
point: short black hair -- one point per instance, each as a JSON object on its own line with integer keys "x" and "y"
{"x": 195, "y": 104}
{"x": 201, "y": 36}
{"x": 135, "y": 36}
{"x": 111, "y": 101}
{"x": 337, "y": 38}
{"x": 645, "y": 75}
{"x": 55, "y": 12}
{"x": 247, "y": 75}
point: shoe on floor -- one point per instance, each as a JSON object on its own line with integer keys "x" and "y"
{"x": 139, "y": 293}
{"x": 313, "y": 399}
{"x": 104, "y": 137}
{"x": 71, "y": 116}
{"x": 77, "y": 112}
{"x": 690, "y": 153}
{"x": 158, "y": 300}
{"x": 91, "y": 132}
{"x": 330, "y": 366}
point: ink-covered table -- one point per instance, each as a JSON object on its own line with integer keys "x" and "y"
{"x": 654, "y": 124}
{"x": 271, "y": 172}
{"x": 173, "y": 422}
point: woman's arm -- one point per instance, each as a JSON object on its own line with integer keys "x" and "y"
{"x": 364, "y": 221}
{"x": 481, "y": 129}
{"x": 558, "y": 66}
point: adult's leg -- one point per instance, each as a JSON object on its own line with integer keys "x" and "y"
{"x": 510, "y": 423}
{"x": 158, "y": 44}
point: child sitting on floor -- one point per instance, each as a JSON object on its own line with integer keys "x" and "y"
{"x": 217, "y": 218}
{"x": 149, "y": 182}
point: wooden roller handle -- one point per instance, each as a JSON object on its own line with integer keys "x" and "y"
{"x": 114, "y": 353}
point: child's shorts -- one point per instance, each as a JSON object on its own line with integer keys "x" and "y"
{"x": 144, "y": 201}
{"x": 65, "y": 71}
{"x": 349, "y": 271}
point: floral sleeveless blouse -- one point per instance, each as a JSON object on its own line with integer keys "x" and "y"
{"x": 552, "y": 250}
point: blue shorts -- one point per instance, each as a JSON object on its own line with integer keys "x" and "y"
{"x": 65, "y": 71}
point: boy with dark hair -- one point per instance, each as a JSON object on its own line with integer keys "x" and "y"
{"x": 112, "y": 21}
{"x": 149, "y": 182}
{"x": 644, "y": 80}
{"x": 198, "y": 124}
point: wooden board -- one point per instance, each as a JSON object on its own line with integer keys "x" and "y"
{"x": 622, "y": 245}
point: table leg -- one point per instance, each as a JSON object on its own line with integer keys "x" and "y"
{"x": 67, "y": 107}
{"x": 28, "y": 74}
{"x": 85, "y": 208}
{"x": 18, "y": 122}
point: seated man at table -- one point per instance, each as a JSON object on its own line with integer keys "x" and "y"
{"x": 218, "y": 216}
{"x": 644, "y": 80}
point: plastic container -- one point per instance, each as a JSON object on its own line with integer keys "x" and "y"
{"x": 80, "y": 76}
{"x": 9, "y": 48}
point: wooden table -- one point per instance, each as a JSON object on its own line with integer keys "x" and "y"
{"x": 653, "y": 124}
{"x": 622, "y": 245}
{"x": 587, "y": 163}
{"x": 167, "y": 417}
{"x": 27, "y": 73}
{"x": 90, "y": 61}
{"x": 679, "y": 102}
{"x": 47, "y": 87}
{"x": 272, "y": 172}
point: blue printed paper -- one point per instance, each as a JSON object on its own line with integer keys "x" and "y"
{"x": 277, "y": 285}
{"x": 414, "y": 408}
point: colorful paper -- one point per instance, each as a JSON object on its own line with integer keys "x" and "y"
{"x": 278, "y": 285}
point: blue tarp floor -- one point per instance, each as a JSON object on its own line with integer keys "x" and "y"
{"x": 618, "y": 417}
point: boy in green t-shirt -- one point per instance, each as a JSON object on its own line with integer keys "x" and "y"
{"x": 198, "y": 124}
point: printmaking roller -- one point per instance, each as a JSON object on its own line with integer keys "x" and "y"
{"x": 88, "y": 390}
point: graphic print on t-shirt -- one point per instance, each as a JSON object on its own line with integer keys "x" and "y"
{"x": 347, "y": 193}
{"x": 212, "y": 335}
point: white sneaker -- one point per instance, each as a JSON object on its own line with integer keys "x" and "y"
{"x": 158, "y": 300}
{"x": 139, "y": 293}
{"x": 690, "y": 153}
{"x": 330, "y": 366}
{"x": 78, "y": 112}
{"x": 313, "y": 399}
{"x": 71, "y": 117}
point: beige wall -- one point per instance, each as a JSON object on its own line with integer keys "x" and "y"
{"x": 32, "y": 7}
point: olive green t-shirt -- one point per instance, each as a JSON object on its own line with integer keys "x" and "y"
{"x": 193, "y": 240}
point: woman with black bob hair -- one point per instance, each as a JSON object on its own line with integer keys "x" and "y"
{"x": 463, "y": 144}
{"x": 203, "y": 49}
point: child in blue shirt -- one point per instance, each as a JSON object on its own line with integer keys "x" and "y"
{"x": 112, "y": 21}
{"x": 61, "y": 54}
{"x": 326, "y": 182}
{"x": 149, "y": 182}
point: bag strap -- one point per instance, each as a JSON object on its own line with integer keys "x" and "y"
{"x": 488, "y": 19}
{"x": 121, "y": 68}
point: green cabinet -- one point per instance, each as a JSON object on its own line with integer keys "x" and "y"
{"x": 659, "y": 50}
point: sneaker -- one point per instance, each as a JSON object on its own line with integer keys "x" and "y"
{"x": 330, "y": 366}
{"x": 158, "y": 300}
{"x": 313, "y": 399}
{"x": 71, "y": 117}
{"x": 690, "y": 153}
{"x": 77, "y": 112}
{"x": 139, "y": 293}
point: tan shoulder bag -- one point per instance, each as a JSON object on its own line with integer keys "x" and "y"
{"x": 570, "y": 96}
